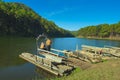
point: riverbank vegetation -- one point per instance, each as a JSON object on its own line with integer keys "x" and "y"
{"x": 17, "y": 19}
{"x": 108, "y": 70}
{"x": 102, "y": 31}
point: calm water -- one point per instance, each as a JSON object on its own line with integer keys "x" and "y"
{"x": 14, "y": 68}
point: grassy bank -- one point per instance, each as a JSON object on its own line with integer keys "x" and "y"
{"x": 109, "y": 70}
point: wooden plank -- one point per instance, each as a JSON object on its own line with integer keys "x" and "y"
{"x": 59, "y": 51}
{"x": 53, "y": 58}
{"x": 47, "y": 52}
{"x": 111, "y": 47}
{"x": 92, "y": 47}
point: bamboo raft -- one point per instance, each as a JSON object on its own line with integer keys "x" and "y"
{"x": 52, "y": 66}
{"x": 113, "y": 51}
{"x": 97, "y": 54}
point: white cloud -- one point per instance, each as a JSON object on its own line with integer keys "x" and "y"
{"x": 53, "y": 13}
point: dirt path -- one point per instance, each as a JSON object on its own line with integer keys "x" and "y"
{"x": 79, "y": 63}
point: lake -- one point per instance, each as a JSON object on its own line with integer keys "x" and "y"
{"x": 14, "y": 68}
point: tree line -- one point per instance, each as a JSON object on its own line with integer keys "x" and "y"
{"x": 17, "y": 19}
{"x": 100, "y": 31}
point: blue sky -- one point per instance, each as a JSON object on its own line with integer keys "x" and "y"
{"x": 75, "y": 14}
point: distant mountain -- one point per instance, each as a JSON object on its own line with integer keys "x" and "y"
{"x": 17, "y": 19}
{"x": 101, "y": 31}
{"x": 75, "y": 33}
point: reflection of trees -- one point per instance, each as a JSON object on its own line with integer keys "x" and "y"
{"x": 11, "y": 48}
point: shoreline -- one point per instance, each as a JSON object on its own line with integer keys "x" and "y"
{"x": 99, "y": 38}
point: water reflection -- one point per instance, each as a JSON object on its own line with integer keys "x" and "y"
{"x": 10, "y": 49}
{"x": 21, "y": 72}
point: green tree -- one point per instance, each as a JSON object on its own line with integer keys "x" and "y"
{"x": 20, "y": 20}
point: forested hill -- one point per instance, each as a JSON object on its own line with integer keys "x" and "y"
{"x": 101, "y": 31}
{"x": 19, "y": 20}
